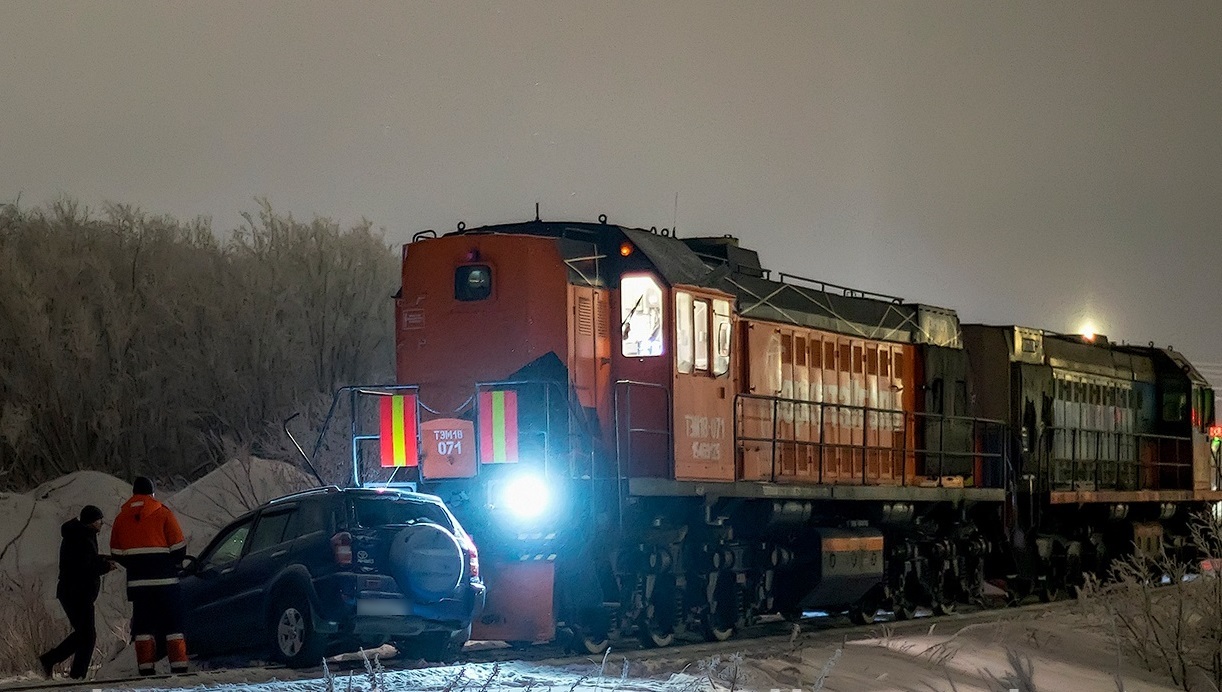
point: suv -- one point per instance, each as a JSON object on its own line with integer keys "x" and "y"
{"x": 329, "y": 569}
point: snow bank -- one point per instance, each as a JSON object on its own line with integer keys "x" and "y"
{"x": 29, "y": 529}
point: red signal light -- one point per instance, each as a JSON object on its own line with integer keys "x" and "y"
{"x": 625, "y": 249}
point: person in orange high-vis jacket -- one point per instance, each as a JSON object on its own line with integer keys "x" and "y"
{"x": 148, "y": 542}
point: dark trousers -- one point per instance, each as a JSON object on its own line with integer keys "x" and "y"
{"x": 79, "y": 643}
{"x": 157, "y": 626}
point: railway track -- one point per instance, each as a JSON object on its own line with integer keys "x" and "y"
{"x": 763, "y": 639}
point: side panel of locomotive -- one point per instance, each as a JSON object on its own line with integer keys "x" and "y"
{"x": 820, "y": 407}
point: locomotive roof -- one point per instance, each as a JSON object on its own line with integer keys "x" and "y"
{"x": 719, "y": 263}
{"x": 1099, "y": 356}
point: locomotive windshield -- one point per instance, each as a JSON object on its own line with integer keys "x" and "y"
{"x": 472, "y": 282}
{"x": 641, "y": 316}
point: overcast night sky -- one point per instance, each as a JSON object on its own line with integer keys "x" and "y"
{"x": 1045, "y": 163}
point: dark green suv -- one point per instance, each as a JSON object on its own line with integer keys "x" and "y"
{"x": 329, "y": 570}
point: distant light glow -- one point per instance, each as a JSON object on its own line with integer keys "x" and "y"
{"x": 1088, "y": 331}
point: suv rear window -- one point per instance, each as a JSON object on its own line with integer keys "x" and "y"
{"x": 383, "y": 511}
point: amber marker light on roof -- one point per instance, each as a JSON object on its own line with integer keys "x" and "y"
{"x": 625, "y": 249}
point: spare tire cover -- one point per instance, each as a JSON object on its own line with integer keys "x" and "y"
{"x": 427, "y": 562}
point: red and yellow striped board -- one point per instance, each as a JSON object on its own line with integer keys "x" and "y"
{"x": 498, "y": 426}
{"x": 398, "y": 430}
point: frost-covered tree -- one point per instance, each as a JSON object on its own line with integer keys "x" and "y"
{"x": 134, "y": 343}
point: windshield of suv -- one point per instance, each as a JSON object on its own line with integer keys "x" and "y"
{"x": 382, "y": 511}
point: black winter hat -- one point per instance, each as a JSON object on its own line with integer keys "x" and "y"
{"x": 90, "y": 514}
{"x": 142, "y": 486}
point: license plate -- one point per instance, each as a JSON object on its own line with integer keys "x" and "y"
{"x": 380, "y": 607}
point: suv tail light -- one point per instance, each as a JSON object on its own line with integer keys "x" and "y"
{"x": 341, "y": 548}
{"x": 468, "y": 546}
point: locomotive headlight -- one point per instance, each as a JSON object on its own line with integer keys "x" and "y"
{"x": 526, "y": 497}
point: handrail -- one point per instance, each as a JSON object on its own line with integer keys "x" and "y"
{"x": 353, "y": 389}
{"x": 982, "y": 430}
{"x": 847, "y": 291}
{"x": 1059, "y": 446}
{"x": 627, "y": 386}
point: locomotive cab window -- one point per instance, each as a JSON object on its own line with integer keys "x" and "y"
{"x": 700, "y": 319}
{"x": 721, "y": 337}
{"x": 702, "y": 335}
{"x": 683, "y": 331}
{"x": 472, "y": 282}
{"x": 640, "y": 316}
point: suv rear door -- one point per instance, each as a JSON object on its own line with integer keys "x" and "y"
{"x": 381, "y": 524}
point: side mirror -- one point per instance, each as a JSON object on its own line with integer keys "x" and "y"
{"x": 190, "y": 565}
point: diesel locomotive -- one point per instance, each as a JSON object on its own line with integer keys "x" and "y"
{"x": 649, "y": 435}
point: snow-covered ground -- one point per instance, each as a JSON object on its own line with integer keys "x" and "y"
{"x": 1063, "y": 647}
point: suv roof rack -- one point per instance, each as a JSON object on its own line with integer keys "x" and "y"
{"x": 325, "y": 490}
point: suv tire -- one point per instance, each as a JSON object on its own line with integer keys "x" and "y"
{"x": 293, "y": 639}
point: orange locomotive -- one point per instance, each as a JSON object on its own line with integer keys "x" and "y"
{"x": 649, "y": 435}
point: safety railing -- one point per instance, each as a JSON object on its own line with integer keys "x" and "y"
{"x": 1086, "y": 459}
{"x": 888, "y": 437}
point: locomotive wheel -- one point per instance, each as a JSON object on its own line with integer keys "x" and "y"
{"x": 944, "y": 602}
{"x": 653, "y": 638}
{"x": 656, "y": 630}
{"x": 721, "y": 614}
{"x": 657, "y": 624}
{"x": 585, "y": 642}
{"x": 715, "y": 634}
{"x": 904, "y": 610}
{"x": 863, "y": 613}
{"x": 1051, "y": 592}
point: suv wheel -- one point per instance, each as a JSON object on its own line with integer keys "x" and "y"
{"x": 294, "y": 641}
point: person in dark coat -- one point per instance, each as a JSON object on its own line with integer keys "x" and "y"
{"x": 80, "y": 580}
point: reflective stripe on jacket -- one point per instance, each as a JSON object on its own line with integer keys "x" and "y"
{"x": 148, "y": 542}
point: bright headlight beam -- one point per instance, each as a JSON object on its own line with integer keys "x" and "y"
{"x": 526, "y": 497}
